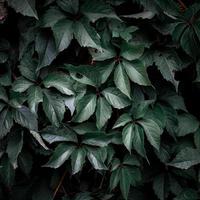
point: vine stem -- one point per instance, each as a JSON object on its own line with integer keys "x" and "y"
{"x": 59, "y": 184}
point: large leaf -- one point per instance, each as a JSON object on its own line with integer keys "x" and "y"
{"x": 152, "y": 131}
{"x": 35, "y": 96}
{"x": 54, "y": 107}
{"x": 52, "y": 134}
{"x": 25, "y": 118}
{"x": 94, "y": 12}
{"x": 103, "y": 112}
{"x": 187, "y": 124}
{"x": 86, "y": 35}
{"x": 186, "y": 158}
{"x": 116, "y": 98}
{"x": 46, "y": 49}
{"x": 85, "y": 108}
{"x": 121, "y": 80}
{"x": 60, "y": 155}
{"x": 137, "y": 72}
{"x": 60, "y": 81}
{"x": 25, "y": 7}
{"x": 63, "y": 33}
{"x": 78, "y": 159}
{"x": 14, "y": 147}
{"x": 6, "y": 122}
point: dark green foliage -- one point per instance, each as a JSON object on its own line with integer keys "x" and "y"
{"x": 99, "y": 99}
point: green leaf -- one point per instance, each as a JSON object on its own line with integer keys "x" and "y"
{"x": 78, "y": 159}
{"x": 21, "y": 85}
{"x": 7, "y": 172}
{"x": 116, "y": 98}
{"x": 27, "y": 67}
{"x": 94, "y": 12}
{"x": 137, "y": 72}
{"x": 60, "y": 81}
{"x": 25, "y": 118}
{"x": 131, "y": 51}
{"x": 51, "y": 17}
{"x": 125, "y": 181}
{"x": 86, "y": 34}
{"x": 53, "y": 134}
{"x": 54, "y": 107}
{"x": 159, "y": 186}
{"x": 121, "y": 80}
{"x": 95, "y": 159}
{"x": 186, "y": 158}
{"x": 70, "y": 6}
{"x": 138, "y": 140}
{"x": 63, "y": 33}
{"x": 38, "y": 138}
{"x": 168, "y": 64}
{"x": 114, "y": 179}
{"x": 187, "y": 124}
{"x": 103, "y": 112}
{"x": 14, "y": 147}
{"x": 46, "y": 49}
{"x": 85, "y": 108}
{"x": 6, "y": 122}
{"x": 122, "y": 120}
{"x": 25, "y": 7}
{"x": 35, "y": 96}
{"x": 99, "y": 139}
{"x": 60, "y": 155}
{"x": 152, "y": 131}
{"x": 127, "y": 136}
